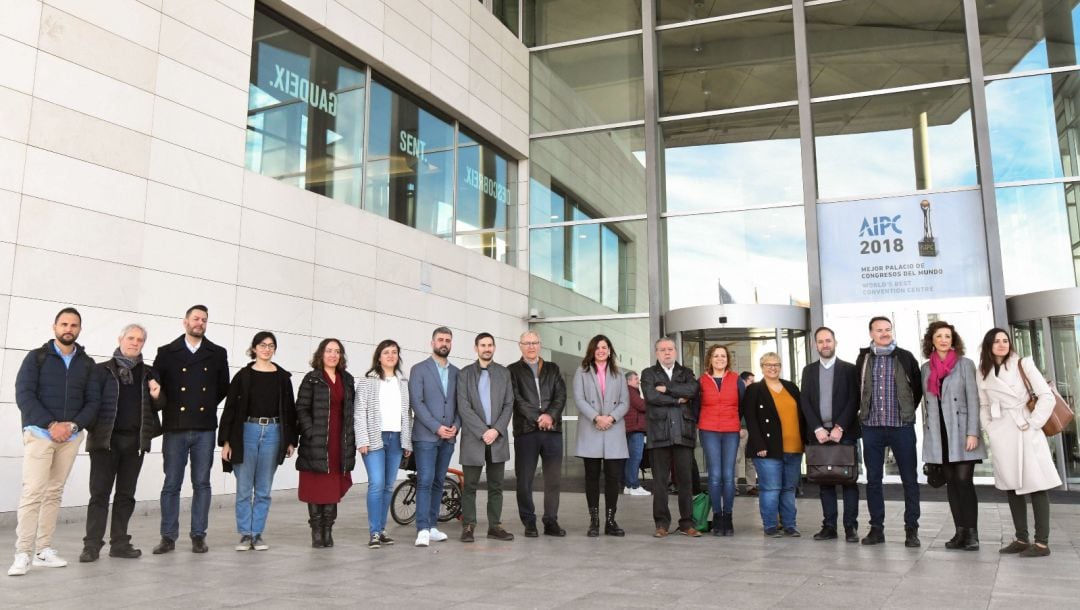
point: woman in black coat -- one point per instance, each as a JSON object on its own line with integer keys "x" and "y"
{"x": 257, "y": 433}
{"x": 327, "y": 454}
{"x": 774, "y": 440}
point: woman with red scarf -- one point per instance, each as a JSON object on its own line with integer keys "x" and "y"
{"x": 951, "y": 433}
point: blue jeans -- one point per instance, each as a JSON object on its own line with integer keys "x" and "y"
{"x": 777, "y": 479}
{"x": 176, "y": 448}
{"x": 382, "y": 466}
{"x": 902, "y": 442}
{"x": 720, "y": 449}
{"x": 635, "y": 442}
{"x": 255, "y": 476}
{"x": 829, "y": 510}
{"x": 432, "y": 460}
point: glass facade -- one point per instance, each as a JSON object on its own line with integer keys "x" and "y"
{"x": 323, "y": 122}
{"x": 896, "y": 137}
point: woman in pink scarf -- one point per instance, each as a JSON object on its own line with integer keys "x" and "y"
{"x": 951, "y": 434}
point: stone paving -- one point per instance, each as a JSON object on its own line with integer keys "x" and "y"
{"x": 746, "y": 571}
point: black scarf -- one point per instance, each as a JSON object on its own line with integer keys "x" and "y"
{"x": 125, "y": 366}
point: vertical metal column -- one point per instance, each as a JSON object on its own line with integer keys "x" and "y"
{"x": 809, "y": 167}
{"x": 986, "y": 166}
{"x": 653, "y": 166}
{"x": 920, "y": 139}
{"x": 1058, "y": 443}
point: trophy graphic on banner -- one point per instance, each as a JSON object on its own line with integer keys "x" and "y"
{"x": 927, "y": 245}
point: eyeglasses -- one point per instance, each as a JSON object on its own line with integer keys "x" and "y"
{"x": 771, "y": 365}
{"x": 529, "y": 343}
{"x": 266, "y": 346}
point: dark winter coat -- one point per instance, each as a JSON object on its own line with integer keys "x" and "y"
{"x": 149, "y": 423}
{"x": 313, "y": 421}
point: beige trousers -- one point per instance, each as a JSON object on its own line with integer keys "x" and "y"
{"x": 46, "y": 466}
{"x": 743, "y": 466}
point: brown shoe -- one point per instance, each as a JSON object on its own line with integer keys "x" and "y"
{"x": 661, "y": 532}
{"x": 693, "y": 533}
{"x": 467, "y": 532}
{"x": 498, "y": 533}
{"x": 1014, "y": 547}
{"x": 1036, "y": 550}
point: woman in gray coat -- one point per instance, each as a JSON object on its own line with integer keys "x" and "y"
{"x": 602, "y": 402}
{"x": 951, "y": 435}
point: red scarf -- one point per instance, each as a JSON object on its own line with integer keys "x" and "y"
{"x": 939, "y": 369}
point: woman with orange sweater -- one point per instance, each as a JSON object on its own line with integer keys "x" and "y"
{"x": 718, "y": 427}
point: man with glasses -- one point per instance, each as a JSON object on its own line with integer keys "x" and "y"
{"x": 671, "y": 404}
{"x": 194, "y": 374}
{"x": 539, "y": 399}
{"x": 889, "y": 392}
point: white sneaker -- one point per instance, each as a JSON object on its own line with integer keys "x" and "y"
{"x": 48, "y": 558}
{"x": 436, "y": 535}
{"x": 639, "y": 491}
{"x": 626, "y": 491}
{"x": 20, "y": 566}
{"x": 423, "y": 538}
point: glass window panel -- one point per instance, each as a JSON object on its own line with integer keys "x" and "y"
{"x": 733, "y": 161}
{"x": 895, "y": 143}
{"x": 305, "y": 112}
{"x": 411, "y": 173}
{"x": 1019, "y": 35}
{"x": 585, "y": 176}
{"x": 507, "y": 12}
{"x": 863, "y": 45}
{"x": 675, "y": 11}
{"x": 1036, "y": 251}
{"x": 485, "y": 186}
{"x": 591, "y": 269}
{"x": 551, "y": 21}
{"x": 727, "y": 64}
{"x": 1031, "y": 135}
{"x": 585, "y": 85}
{"x": 492, "y": 244}
{"x": 753, "y": 256}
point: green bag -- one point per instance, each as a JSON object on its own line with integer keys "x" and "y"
{"x": 702, "y": 507}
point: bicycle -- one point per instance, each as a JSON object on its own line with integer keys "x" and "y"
{"x": 403, "y": 501}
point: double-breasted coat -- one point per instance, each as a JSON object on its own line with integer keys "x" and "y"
{"x": 960, "y": 398}
{"x": 1018, "y": 447}
{"x": 592, "y": 443}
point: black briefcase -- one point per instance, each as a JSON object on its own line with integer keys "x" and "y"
{"x": 831, "y": 464}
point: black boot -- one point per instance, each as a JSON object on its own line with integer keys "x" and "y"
{"x": 911, "y": 537}
{"x": 957, "y": 541}
{"x": 727, "y": 524}
{"x": 314, "y": 512}
{"x": 329, "y": 516}
{"x": 594, "y": 522}
{"x": 971, "y": 542}
{"x": 610, "y": 527}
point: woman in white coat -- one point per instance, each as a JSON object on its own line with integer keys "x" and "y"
{"x": 602, "y": 400}
{"x": 1019, "y": 451}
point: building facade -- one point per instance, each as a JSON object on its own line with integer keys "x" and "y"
{"x": 732, "y": 172}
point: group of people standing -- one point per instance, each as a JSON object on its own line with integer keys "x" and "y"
{"x": 384, "y": 416}
{"x": 874, "y": 399}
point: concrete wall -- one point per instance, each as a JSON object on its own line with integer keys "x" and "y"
{"x": 123, "y": 191}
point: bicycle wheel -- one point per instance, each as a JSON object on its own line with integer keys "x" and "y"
{"x": 451, "y": 501}
{"x": 403, "y": 502}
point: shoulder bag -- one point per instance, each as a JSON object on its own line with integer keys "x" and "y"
{"x": 1060, "y": 417}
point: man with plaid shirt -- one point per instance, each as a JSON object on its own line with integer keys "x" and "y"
{"x": 890, "y": 389}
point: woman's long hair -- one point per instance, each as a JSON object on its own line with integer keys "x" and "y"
{"x": 589, "y": 362}
{"x": 987, "y": 360}
{"x": 317, "y": 357}
{"x": 928, "y": 338}
{"x": 376, "y": 366}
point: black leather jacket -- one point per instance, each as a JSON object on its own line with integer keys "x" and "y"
{"x": 668, "y": 421}
{"x": 528, "y": 407}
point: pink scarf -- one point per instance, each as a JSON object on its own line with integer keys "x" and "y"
{"x": 601, "y": 377}
{"x": 939, "y": 369}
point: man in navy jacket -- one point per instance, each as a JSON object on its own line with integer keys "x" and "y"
{"x": 433, "y": 398}
{"x": 57, "y": 393}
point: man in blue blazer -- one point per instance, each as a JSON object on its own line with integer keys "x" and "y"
{"x": 433, "y": 397}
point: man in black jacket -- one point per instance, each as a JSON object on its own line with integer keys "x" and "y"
{"x": 671, "y": 413}
{"x": 830, "y": 405}
{"x": 194, "y": 374}
{"x": 890, "y": 388}
{"x": 57, "y": 393}
{"x": 539, "y": 399}
{"x": 126, "y": 423}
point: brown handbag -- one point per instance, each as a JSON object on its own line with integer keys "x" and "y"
{"x": 1060, "y": 417}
